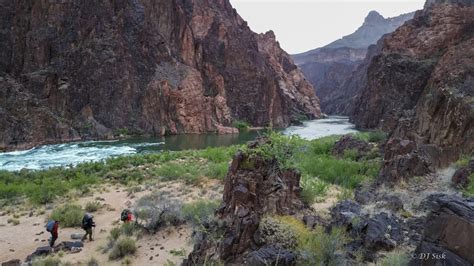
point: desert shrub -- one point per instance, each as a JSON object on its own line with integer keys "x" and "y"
{"x": 320, "y": 248}
{"x": 313, "y": 189}
{"x": 178, "y": 252}
{"x": 68, "y": 215}
{"x": 217, "y": 170}
{"x": 200, "y": 211}
{"x": 129, "y": 229}
{"x": 273, "y": 231}
{"x": 48, "y": 261}
{"x": 395, "y": 258}
{"x": 351, "y": 154}
{"x": 115, "y": 233}
{"x": 93, "y": 206}
{"x": 123, "y": 247}
{"x": 13, "y": 221}
{"x": 241, "y": 125}
{"x": 172, "y": 171}
{"x": 469, "y": 190}
{"x": 92, "y": 262}
{"x": 156, "y": 210}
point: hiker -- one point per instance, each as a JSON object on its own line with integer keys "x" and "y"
{"x": 126, "y": 216}
{"x": 52, "y": 227}
{"x": 87, "y": 224}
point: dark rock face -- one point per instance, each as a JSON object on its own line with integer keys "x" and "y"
{"x": 254, "y": 187}
{"x": 271, "y": 255}
{"x": 73, "y": 70}
{"x": 41, "y": 251}
{"x": 334, "y": 69}
{"x": 15, "y": 262}
{"x": 347, "y": 142}
{"x": 449, "y": 229}
{"x": 461, "y": 176}
{"x": 420, "y": 89}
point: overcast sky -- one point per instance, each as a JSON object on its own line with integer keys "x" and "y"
{"x": 301, "y": 25}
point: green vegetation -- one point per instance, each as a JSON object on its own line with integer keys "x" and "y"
{"x": 199, "y": 211}
{"x": 93, "y": 206}
{"x": 316, "y": 247}
{"x": 372, "y": 136}
{"x": 395, "y": 258}
{"x": 68, "y": 215}
{"x": 469, "y": 190}
{"x": 13, "y": 221}
{"x": 241, "y": 125}
{"x": 45, "y": 186}
{"x": 48, "y": 261}
{"x": 314, "y": 160}
{"x": 178, "y": 252}
{"x": 123, "y": 247}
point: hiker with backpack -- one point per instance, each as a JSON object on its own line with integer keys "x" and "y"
{"x": 52, "y": 226}
{"x": 126, "y": 216}
{"x": 87, "y": 224}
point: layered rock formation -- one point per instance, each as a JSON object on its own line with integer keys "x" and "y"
{"x": 420, "y": 88}
{"x": 74, "y": 70}
{"x": 330, "y": 68}
{"x": 254, "y": 187}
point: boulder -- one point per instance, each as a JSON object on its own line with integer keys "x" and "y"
{"x": 450, "y": 226}
{"x": 344, "y": 213}
{"x": 391, "y": 202}
{"x": 347, "y": 142}
{"x": 41, "y": 251}
{"x": 271, "y": 255}
{"x": 383, "y": 232}
{"x": 311, "y": 221}
{"x": 430, "y": 254}
{"x": 14, "y": 262}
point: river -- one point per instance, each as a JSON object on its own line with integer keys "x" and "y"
{"x": 48, "y": 156}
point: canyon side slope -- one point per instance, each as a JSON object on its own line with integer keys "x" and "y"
{"x": 330, "y": 68}
{"x": 420, "y": 89}
{"x": 72, "y": 70}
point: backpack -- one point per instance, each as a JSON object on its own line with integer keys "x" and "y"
{"x": 87, "y": 221}
{"x": 50, "y": 225}
{"x": 124, "y": 215}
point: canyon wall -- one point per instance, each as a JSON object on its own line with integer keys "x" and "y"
{"x": 420, "y": 89}
{"x": 72, "y": 70}
{"x": 334, "y": 69}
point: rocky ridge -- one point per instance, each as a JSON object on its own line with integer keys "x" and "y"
{"x": 331, "y": 68}
{"x": 419, "y": 88}
{"x": 85, "y": 70}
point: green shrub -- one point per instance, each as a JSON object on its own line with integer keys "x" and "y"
{"x": 13, "y": 221}
{"x": 115, "y": 233}
{"x": 48, "y": 261}
{"x": 241, "y": 125}
{"x": 351, "y": 154}
{"x": 282, "y": 231}
{"x": 156, "y": 210}
{"x": 313, "y": 189}
{"x": 377, "y": 136}
{"x": 93, "y": 262}
{"x": 217, "y": 170}
{"x": 123, "y": 247}
{"x": 395, "y": 258}
{"x": 199, "y": 211}
{"x": 129, "y": 229}
{"x": 178, "y": 252}
{"x": 172, "y": 171}
{"x": 216, "y": 154}
{"x": 69, "y": 215}
{"x": 93, "y": 206}
{"x": 320, "y": 248}
{"x": 469, "y": 190}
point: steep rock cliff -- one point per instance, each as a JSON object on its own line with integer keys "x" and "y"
{"x": 334, "y": 69}
{"x": 420, "y": 88}
{"x": 74, "y": 70}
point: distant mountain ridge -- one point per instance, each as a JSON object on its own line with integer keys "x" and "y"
{"x": 329, "y": 68}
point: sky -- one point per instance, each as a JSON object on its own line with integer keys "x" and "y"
{"x": 302, "y": 25}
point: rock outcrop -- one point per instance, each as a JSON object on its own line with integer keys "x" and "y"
{"x": 334, "y": 69}
{"x": 72, "y": 70}
{"x": 420, "y": 89}
{"x": 254, "y": 187}
{"x": 448, "y": 232}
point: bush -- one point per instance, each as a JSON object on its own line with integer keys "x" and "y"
{"x": 377, "y": 136}
{"x": 172, "y": 171}
{"x": 217, "y": 170}
{"x": 241, "y": 125}
{"x": 320, "y": 248}
{"x": 48, "y": 261}
{"x": 69, "y": 215}
{"x": 469, "y": 190}
{"x": 395, "y": 258}
{"x": 199, "y": 211}
{"x": 123, "y": 247}
{"x": 313, "y": 189}
{"x": 157, "y": 210}
{"x": 93, "y": 262}
{"x": 275, "y": 231}
{"x": 93, "y": 206}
